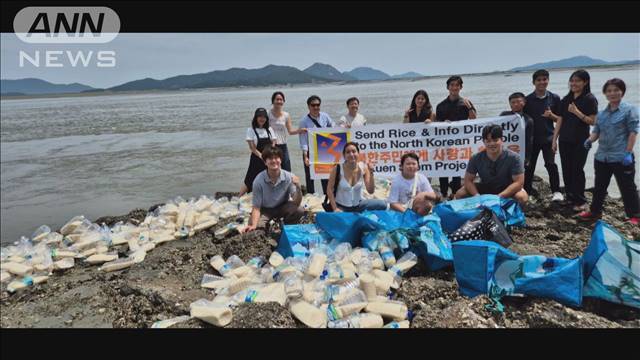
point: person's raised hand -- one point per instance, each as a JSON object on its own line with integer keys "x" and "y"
{"x": 406, "y": 113}
{"x": 467, "y": 103}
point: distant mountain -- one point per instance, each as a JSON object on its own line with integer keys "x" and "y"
{"x": 268, "y": 75}
{"x": 367, "y": 73}
{"x": 573, "y": 62}
{"x": 328, "y": 72}
{"x": 32, "y": 86}
{"x": 407, "y": 75}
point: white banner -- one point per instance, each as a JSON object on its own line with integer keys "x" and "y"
{"x": 444, "y": 148}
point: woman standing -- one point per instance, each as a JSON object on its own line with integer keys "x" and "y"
{"x": 350, "y": 180}
{"x": 420, "y": 109}
{"x": 259, "y": 135}
{"x": 617, "y": 127}
{"x": 281, "y": 123}
{"x": 578, "y": 110}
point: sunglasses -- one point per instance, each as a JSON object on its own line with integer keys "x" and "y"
{"x": 315, "y": 105}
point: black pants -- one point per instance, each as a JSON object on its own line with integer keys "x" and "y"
{"x": 455, "y": 184}
{"x": 625, "y": 176}
{"x": 286, "y": 163}
{"x": 549, "y": 163}
{"x": 309, "y": 182}
{"x": 573, "y": 158}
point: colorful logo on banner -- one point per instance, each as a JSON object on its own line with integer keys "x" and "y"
{"x": 328, "y": 147}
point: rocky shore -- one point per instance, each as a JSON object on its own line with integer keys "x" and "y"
{"x": 168, "y": 280}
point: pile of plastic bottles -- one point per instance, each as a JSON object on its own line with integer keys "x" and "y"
{"x": 32, "y": 260}
{"x": 328, "y": 285}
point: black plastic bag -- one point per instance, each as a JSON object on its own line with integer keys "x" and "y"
{"x": 484, "y": 226}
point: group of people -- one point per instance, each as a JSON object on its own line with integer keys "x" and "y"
{"x": 552, "y": 124}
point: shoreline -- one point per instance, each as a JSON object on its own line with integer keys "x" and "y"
{"x": 164, "y": 284}
{"x": 242, "y": 87}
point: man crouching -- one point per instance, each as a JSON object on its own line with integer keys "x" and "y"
{"x": 500, "y": 169}
{"x": 276, "y": 193}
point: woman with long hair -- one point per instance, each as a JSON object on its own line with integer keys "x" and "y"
{"x": 280, "y": 121}
{"x": 578, "y": 111}
{"x": 349, "y": 179}
{"x": 259, "y": 136}
{"x": 420, "y": 109}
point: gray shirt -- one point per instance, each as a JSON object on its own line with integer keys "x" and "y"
{"x": 269, "y": 195}
{"x": 496, "y": 174}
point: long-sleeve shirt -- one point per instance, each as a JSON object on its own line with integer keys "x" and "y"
{"x": 614, "y": 128}
{"x": 324, "y": 120}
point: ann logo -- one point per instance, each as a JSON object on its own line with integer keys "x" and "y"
{"x": 66, "y": 25}
{"x": 77, "y": 26}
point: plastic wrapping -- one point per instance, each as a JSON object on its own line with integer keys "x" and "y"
{"x": 41, "y": 233}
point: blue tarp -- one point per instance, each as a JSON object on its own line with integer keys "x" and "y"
{"x": 400, "y": 231}
{"x": 454, "y": 213}
{"x": 609, "y": 268}
{"x": 612, "y": 267}
{"x": 303, "y": 234}
{"x": 485, "y": 267}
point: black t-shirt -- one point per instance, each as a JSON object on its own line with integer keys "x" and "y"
{"x": 424, "y": 115}
{"x": 542, "y": 127}
{"x": 573, "y": 129}
{"x": 528, "y": 132}
{"x": 452, "y": 110}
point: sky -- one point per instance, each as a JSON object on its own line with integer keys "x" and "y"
{"x": 162, "y": 55}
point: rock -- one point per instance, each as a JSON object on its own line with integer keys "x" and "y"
{"x": 261, "y": 315}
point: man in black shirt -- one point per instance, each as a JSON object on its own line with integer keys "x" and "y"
{"x": 517, "y": 103}
{"x": 544, "y": 108}
{"x": 454, "y": 108}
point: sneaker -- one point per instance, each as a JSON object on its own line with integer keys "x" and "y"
{"x": 557, "y": 196}
{"x": 587, "y": 216}
{"x": 634, "y": 221}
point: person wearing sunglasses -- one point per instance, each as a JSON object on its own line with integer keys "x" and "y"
{"x": 314, "y": 119}
{"x": 500, "y": 169}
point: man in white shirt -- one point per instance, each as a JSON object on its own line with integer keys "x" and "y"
{"x": 352, "y": 118}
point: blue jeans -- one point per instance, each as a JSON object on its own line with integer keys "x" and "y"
{"x": 368, "y": 204}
